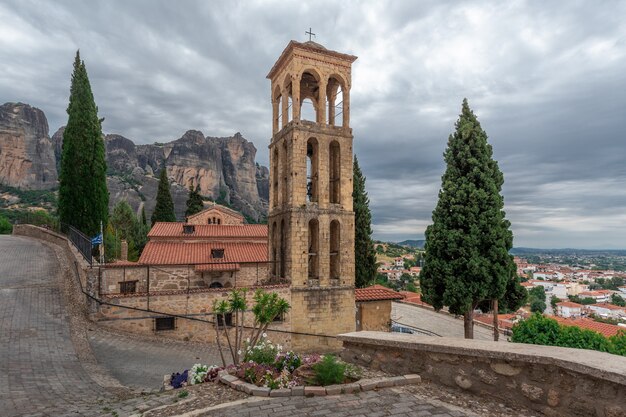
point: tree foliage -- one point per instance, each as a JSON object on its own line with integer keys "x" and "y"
{"x": 5, "y": 226}
{"x": 541, "y": 330}
{"x": 194, "y": 201}
{"x": 125, "y": 225}
{"x": 83, "y": 194}
{"x": 164, "y": 209}
{"x": 364, "y": 253}
{"x": 467, "y": 259}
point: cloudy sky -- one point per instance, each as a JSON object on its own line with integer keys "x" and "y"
{"x": 547, "y": 80}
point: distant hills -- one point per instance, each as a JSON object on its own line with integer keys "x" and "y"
{"x": 419, "y": 244}
{"x": 413, "y": 243}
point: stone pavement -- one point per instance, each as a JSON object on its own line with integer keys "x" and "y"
{"x": 386, "y": 402}
{"x": 39, "y": 368}
{"x": 140, "y": 364}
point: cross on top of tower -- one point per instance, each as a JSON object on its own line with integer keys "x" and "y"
{"x": 309, "y": 33}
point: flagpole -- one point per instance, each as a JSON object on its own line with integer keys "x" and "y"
{"x": 101, "y": 244}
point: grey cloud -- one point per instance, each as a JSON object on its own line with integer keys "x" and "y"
{"x": 546, "y": 82}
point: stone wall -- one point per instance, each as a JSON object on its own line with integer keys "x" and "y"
{"x": 374, "y": 315}
{"x": 179, "y": 277}
{"x": 324, "y": 311}
{"x": 119, "y": 313}
{"x": 552, "y": 380}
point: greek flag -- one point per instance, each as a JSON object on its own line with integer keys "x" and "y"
{"x": 97, "y": 240}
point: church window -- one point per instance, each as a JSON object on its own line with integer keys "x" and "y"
{"x": 334, "y": 180}
{"x": 312, "y": 166}
{"x": 335, "y": 247}
{"x": 164, "y": 323}
{"x": 313, "y": 249}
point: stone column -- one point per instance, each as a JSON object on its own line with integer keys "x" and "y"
{"x": 321, "y": 102}
{"x": 124, "y": 251}
{"x": 275, "y": 115}
{"x": 295, "y": 98}
{"x": 285, "y": 99}
{"x": 346, "y": 108}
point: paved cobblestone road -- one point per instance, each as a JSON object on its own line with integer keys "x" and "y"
{"x": 141, "y": 364}
{"x": 39, "y": 369}
{"x": 386, "y": 402}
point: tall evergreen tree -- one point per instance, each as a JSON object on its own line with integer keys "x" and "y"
{"x": 467, "y": 246}
{"x": 164, "y": 209}
{"x": 194, "y": 202}
{"x": 83, "y": 194}
{"x": 364, "y": 253}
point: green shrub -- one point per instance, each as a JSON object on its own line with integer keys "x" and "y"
{"x": 329, "y": 371}
{"x": 540, "y": 330}
{"x": 6, "y": 228}
{"x": 264, "y": 353}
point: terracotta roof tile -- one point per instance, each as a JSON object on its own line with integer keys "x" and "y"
{"x": 569, "y": 304}
{"x": 218, "y": 267}
{"x": 186, "y": 253}
{"x": 604, "y": 329}
{"x": 375, "y": 293}
{"x": 175, "y": 230}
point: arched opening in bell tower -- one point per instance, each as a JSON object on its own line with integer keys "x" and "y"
{"x": 274, "y": 258}
{"x": 283, "y": 249}
{"x": 334, "y": 101}
{"x": 335, "y": 245}
{"x": 312, "y": 170}
{"x": 334, "y": 172}
{"x": 287, "y": 101}
{"x": 309, "y": 96}
{"x": 313, "y": 249}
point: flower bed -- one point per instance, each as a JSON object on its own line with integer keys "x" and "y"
{"x": 265, "y": 365}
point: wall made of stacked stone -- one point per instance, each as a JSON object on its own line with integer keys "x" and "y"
{"x": 129, "y": 313}
{"x": 375, "y": 315}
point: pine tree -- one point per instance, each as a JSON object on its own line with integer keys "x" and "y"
{"x": 83, "y": 194}
{"x": 194, "y": 202}
{"x": 164, "y": 209}
{"x": 364, "y": 253}
{"x": 467, "y": 259}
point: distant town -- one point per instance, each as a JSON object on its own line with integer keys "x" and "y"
{"x": 582, "y": 288}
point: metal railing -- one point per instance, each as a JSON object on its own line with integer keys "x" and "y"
{"x": 82, "y": 243}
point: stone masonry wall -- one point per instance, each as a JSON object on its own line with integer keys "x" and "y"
{"x": 375, "y": 315}
{"x": 321, "y": 311}
{"x": 179, "y": 277}
{"x": 117, "y": 314}
{"x": 552, "y": 380}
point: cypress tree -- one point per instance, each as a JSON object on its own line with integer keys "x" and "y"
{"x": 164, "y": 209}
{"x": 144, "y": 220}
{"x": 194, "y": 202}
{"x": 468, "y": 243}
{"x": 364, "y": 253}
{"x": 83, "y": 194}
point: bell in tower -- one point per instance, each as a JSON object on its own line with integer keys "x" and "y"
{"x": 311, "y": 221}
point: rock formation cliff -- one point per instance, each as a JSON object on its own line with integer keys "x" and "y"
{"x": 223, "y": 168}
{"x": 26, "y": 152}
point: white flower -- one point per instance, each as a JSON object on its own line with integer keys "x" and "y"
{"x": 239, "y": 352}
{"x": 264, "y": 335}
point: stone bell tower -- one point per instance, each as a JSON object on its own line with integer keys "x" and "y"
{"x": 311, "y": 220}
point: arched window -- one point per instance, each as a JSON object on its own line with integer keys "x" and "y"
{"x": 335, "y": 247}
{"x": 312, "y": 170}
{"x": 283, "y": 249}
{"x": 284, "y": 173}
{"x": 275, "y": 164}
{"x": 334, "y": 173}
{"x": 313, "y": 249}
{"x": 287, "y": 101}
{"x": 216, "y": 285}
{"x": 334, "y": 101}
{"x": 208, "y": 221}
{"x": 219, "y": 221}
{"x": 274, "y": 246}
{"x": 277, "y": 109}
{"x": 310, "y": 96}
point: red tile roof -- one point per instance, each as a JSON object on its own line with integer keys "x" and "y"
{"x": 604, "y": 329}
{"x": 569, "y": 304}
{"x": 218, "y": 267}
{"x": 185, "y": 253}
{"x": 175, "y": 230}
{"x": 375, "y": 293}
{"x": 414, "y": 298}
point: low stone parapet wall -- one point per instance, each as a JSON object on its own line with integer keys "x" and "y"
{"x": 553, "y": 380}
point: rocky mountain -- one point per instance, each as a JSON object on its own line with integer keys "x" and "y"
{"x": 224, "y": 168}
{"x": 26, "y": 152}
